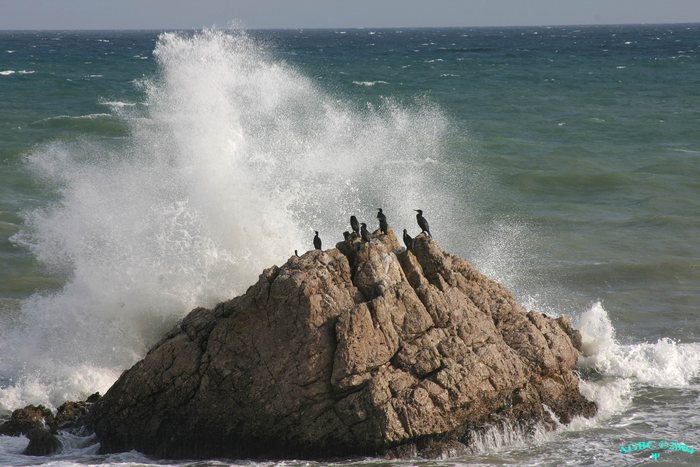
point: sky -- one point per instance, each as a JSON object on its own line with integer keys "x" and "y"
{"x": 263, "y": 14}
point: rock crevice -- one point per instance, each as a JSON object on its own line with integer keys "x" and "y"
{"x": 363, "y": 349}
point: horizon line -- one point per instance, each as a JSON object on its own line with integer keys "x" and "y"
{"x": 348, "y": 27}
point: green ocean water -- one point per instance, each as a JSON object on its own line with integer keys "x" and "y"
{"x": 562, "y": 161}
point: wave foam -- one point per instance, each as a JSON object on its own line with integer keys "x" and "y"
{"x": 369, "y": 83}
{"x": 72, "y": 117}
{"x": 664, "y": 363}
{"x": 502, "y": 435}
{"x": 117, "y": 104}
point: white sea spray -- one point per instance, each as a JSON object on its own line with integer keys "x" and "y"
{"x": 233, "y": 160}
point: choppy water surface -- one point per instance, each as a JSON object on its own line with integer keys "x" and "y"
{"x": 143, "y": 174}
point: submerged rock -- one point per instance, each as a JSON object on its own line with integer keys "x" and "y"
{"x": 364, "y": 349}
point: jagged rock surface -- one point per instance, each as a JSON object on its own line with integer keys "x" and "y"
{"x": 363, "y": 349}
{"x": 23, "y": 420}
{"x": 40, "y": 425}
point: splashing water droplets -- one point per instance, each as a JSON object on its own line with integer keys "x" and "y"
{"x": 233, "y": 160}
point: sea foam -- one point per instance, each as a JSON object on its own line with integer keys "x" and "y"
{"x": 664, "y": 363}
{"x": 621, "y": 367}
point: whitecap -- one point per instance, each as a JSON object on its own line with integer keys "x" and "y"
{"x": 7, "y": 72}
{"x": 73, "y": 117}
{"x": 117, "y": 104}
{"x": 369, "y": 83}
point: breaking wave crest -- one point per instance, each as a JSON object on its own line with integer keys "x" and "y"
{"x": 664, "y": 363}
{"x": 231, "y": 162}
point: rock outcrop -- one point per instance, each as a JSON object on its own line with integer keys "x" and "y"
{"x": 40, "y": 425}
{"x": 22, "y": 421}
{"x": 364, "y": 349}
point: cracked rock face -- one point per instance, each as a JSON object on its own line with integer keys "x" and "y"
{"x": 364, "y": 349}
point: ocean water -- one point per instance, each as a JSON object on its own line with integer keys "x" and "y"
{"x": 143, "y": 174}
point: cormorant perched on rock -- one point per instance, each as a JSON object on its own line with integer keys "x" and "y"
{"x": 354, "y": 224}
{"x": 364, "y": 232}
{"x": 383, "y": 226}
{"x": 346, "y": 235}
{"x": 317, "y": 241}
{"x": 422, "y": 222}
{"x": 407, "y": 240}
{"x": 296, "y": 253}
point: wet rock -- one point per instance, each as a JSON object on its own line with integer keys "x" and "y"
{"x": 24, "y": 420}
{"x": 71, "y": 414}
{"x": 364, "y": 349}
{"x": 40, "y": 425}
{"x": 42, "y": 442}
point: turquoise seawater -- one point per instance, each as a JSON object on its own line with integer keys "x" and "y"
{"x": 143, "y": 174}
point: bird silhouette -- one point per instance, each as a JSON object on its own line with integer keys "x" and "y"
{"x": 364, "y": 232}
{"x": 383, "y": 226}
{"x": 354, "y": 224}
{"x": 422, "y": 222}
{"x": 317, "y": 241}
{"x": 407, "y": 240}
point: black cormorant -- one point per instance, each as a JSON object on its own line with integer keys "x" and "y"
{"x": 383, "y": 226}
{"x": 422, "y": 222}
{"x": 346, "y": 235}
{"x": 317, "y": 241}
{"x": 354, "y": 224}
{"x": 364, "y": 232}
{"x": 297, "y": 254}
{"x": 407, "y": 240}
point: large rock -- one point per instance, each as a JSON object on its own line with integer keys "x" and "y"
{"x": 363, "y": 349}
